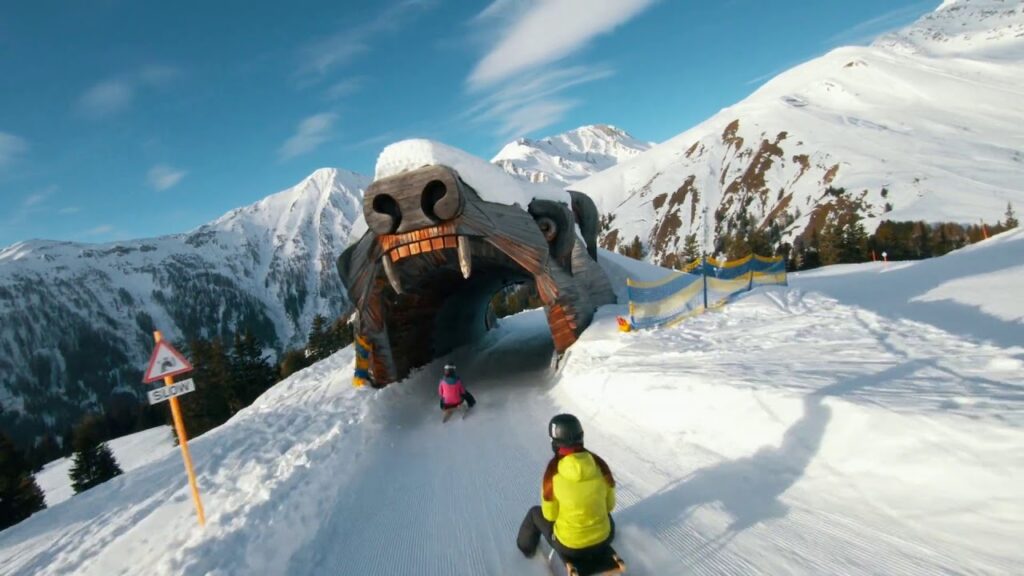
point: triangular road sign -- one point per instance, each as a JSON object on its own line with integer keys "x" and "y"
{"x": 165, "y": 361}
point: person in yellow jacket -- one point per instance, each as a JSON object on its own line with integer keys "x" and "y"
{"x": 577, "y": 497}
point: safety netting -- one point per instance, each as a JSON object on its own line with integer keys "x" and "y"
{"x": 703, "y": 284}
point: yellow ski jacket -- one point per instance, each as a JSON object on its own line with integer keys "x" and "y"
{"x": 577, "y": 494}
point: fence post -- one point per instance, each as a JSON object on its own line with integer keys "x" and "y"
{"x": 704, "y": 273}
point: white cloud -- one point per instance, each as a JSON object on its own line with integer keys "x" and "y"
{"x": 115, "y": 95}
{"x": 321, "y": 56}
{"x": 544, "y": 31}
{"x": 869, "y": 30}
{"x": 106, "y": 98}
{"x": 161, "y": 177}
{"x": 534, "y": 116}
{"x": 32, "y": 205}
{"x": 337, "y": 50}
{"x": 11, "y": 147}
{"x": 344, "y": 88}
{"x": 100, "y": 230}
{"x": 37, "y": 198}
{"x": 157, "y": 74}
{"x": 532, "y": 102}
{"x": 311, "y": 133}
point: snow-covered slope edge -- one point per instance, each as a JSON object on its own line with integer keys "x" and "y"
{"x": 77, "y": 319}
{"x": 930, "y": 133}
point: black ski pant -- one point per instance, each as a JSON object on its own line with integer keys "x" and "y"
{"x": 466, "y": 397}
{"x": 535, "y": 525}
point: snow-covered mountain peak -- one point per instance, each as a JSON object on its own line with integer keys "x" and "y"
{"x": 922, "y": 125}
{"x": 268, "y": 267}
{"x": 490, "y": 182}
{"x": 977, "y": 29}
{"x": 288, "y": 209}
{"x": 571, "y": 156}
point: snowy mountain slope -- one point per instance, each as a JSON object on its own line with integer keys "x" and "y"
{"x": 933, "y": 131}
{"x": 77, "y": 319}
{"x": 131, "y": 452}
{"x": 569, "y": 157}
{"x": 792, "y": 432}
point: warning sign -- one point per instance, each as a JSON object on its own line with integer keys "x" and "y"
{"x": 162, "y": 393}
{"x": 165, "y": 361}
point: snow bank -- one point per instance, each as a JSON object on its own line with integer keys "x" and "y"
{"x": 973, "y": 291}
{"x": 131, "y": 452}
{"x": 490, "y": 181}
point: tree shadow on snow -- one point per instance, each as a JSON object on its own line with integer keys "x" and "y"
{"x": 748, "y": 489}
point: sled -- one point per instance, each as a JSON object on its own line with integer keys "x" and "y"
{"x": 448, "y": 414}
{"x": 605, "y": 564}
{"x": 558, "y": 360}
{"x": 449, "y": 411}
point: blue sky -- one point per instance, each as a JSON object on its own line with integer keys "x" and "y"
{"x": 123, "y": 119}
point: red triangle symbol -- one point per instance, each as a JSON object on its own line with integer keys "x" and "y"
{"x": 165, "y": 361}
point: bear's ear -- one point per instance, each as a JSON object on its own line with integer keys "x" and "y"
{"x": 588, "y": 219}
{"x": 556, "y": 223}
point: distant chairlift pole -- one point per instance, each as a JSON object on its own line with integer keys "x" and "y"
{"x": 165, "y": 363}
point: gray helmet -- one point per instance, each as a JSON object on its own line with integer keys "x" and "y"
{"x": 565, "y": 430}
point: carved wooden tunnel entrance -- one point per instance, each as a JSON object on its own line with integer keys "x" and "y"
{"x": 435, "y": 253}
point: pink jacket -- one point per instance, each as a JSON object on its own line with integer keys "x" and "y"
{"x": 450, "y": 391}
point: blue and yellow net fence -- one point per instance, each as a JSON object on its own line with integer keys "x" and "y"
{"x": 702, "y": 284}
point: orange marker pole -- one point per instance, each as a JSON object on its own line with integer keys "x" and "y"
{"x": 179, "y": 427}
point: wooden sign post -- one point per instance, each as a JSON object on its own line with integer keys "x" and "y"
{"x": 165, "y": 363}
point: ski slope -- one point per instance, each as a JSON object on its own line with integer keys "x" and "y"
{"x": 837, "y": 426}
{"x": 131, "y": 452}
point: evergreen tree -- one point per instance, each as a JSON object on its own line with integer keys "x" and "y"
{"x": 251, "y": 373}
{"x": 20, "y": 496}
{"x": 45, "y": 451}
{"x": 317, "y": 345}
{"x": 691, "y": 249}
{"x": 208, "y": 406}
{"x": 634, "y": 250}
{"x": 341, "y": 334}
{"x": 830, "y": 241}
{"x": 854, "y": 244}
{"x": 796, "y": 255}
{"x": 292, "y": 362}
{"x": 93, "y": 462}
{"x": 1011, "y": 218}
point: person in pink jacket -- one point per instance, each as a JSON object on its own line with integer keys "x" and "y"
{"x": 451, "y": 390}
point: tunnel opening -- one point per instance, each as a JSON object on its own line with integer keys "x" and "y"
{"x": 437, "y": 258}
{"x": 439, "y": 309}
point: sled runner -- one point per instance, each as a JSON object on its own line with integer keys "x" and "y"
{"x": 605, "y": 564}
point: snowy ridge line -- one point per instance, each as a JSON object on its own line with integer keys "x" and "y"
{"x": 566, "y": 158}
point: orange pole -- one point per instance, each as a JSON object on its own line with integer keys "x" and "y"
{"x": 179, "y": 427}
